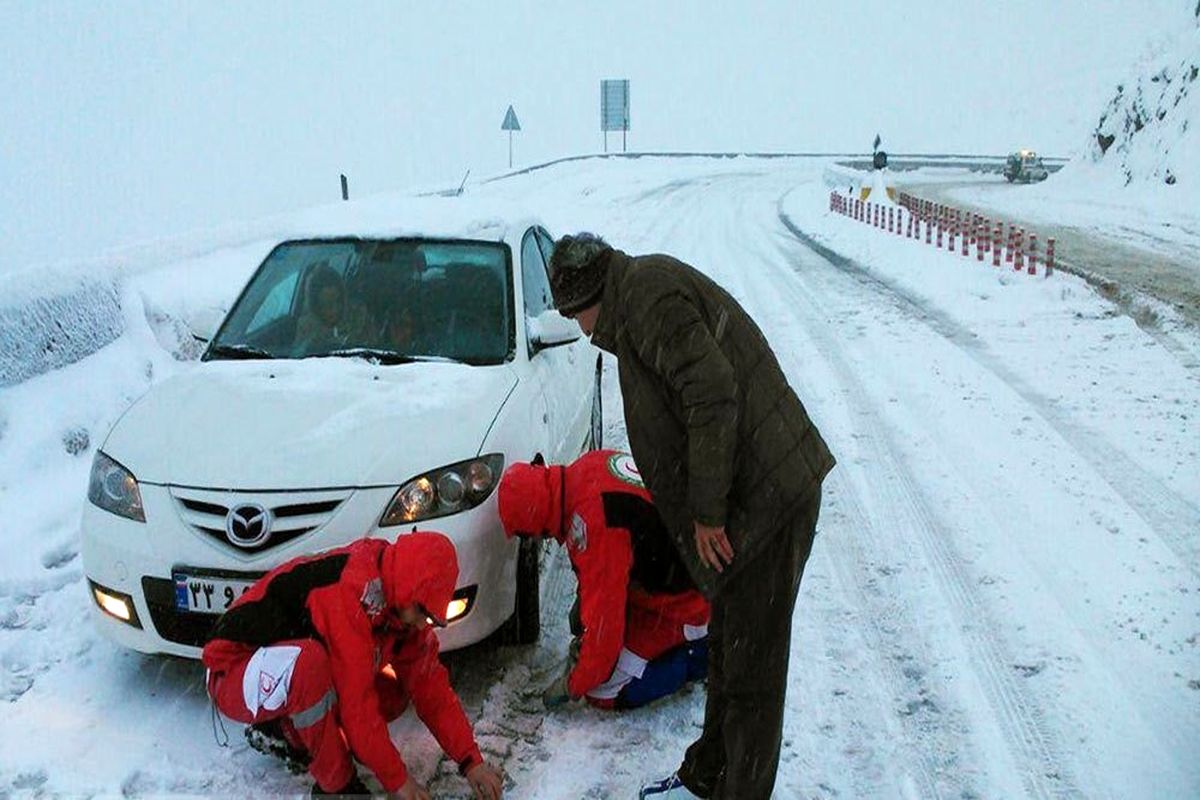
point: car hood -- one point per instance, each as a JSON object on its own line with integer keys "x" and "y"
{"x": 316, "y": 423}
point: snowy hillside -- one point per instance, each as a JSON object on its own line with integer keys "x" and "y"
{"x": 1150, "y": 132}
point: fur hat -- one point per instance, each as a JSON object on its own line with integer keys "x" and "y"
{"x": 577, "y": 270}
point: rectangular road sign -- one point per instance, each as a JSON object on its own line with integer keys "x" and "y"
{"x": 614, "y": 105}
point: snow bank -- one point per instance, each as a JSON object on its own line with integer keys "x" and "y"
{"x": 57, "y": 328}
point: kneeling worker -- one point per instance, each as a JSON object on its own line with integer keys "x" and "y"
{"x": 644, "y": 625}
{"x": 326, "y": 649}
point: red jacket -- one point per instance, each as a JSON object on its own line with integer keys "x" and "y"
{"x": 340, "y": 597}
{"x": 600, "y": 511}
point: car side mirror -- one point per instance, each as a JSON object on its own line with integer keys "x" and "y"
{"x": 203, "y": 323}
{"x": 551, "y": 329}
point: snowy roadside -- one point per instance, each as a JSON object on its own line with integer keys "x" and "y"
{"x": 1054, "y": 444}
{"x": 1003, "y": 599}
{"x": 1069, "y": 347}
{"x": 1163, "y": 220}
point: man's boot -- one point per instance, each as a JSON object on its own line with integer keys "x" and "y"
{"x": 268, "y": 738}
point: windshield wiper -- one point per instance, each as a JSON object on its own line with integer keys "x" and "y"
{"x": 382, "y": 356}
{"x": 238, "y": 351}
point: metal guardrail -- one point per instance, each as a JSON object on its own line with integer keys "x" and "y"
{"x": 983, "y": 162}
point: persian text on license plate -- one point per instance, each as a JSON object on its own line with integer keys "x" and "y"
{"x": 206, "y": 594}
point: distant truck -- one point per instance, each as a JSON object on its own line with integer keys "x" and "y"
{"x": 1025, "y": 166}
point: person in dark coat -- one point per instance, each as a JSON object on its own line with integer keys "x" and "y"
{"x": 734, "y": 465}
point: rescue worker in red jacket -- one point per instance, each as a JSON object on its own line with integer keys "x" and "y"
{"x": 644, "y": 625}
{"x": 329, "y": 648}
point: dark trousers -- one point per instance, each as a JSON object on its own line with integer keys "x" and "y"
{"x": 749, "y": 637}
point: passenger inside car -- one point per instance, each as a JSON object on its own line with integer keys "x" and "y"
{"x": 330, "y": 318}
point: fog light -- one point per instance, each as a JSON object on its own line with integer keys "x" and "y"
{"x": 460, "y": 604}
{"x": 456, "y": 609}
{"x": 116, "y": 604}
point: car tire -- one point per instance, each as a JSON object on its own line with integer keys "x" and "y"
{"x": 525, "y": 624}
{"x": 595, "y": 438}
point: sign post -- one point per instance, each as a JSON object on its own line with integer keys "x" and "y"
{"x": 614, "y": 109}
{"x": 510, "y": 124}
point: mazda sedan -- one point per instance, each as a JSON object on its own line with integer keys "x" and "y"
{"x": 360, "y": 386}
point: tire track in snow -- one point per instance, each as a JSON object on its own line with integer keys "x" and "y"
{"x": 1016, "y": 714}
{"x": 1172, "y": 517}
{"x": 932, "y": 734}
{"x": 1034, "y": 751}
{"x": 933, "y": 731}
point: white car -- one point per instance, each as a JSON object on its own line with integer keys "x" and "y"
{"x": 362, "y": 385}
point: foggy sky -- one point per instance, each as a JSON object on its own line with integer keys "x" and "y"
{"x": 122, "y": 122}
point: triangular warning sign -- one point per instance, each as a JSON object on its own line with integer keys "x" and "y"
{"x": 510, "y": 121}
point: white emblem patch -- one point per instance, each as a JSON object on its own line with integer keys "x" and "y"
{"x": 622, "y": 468}
{"x": 268, "y": 677}
{"x": 577, "y": 534}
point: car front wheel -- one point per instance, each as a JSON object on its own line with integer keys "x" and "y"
{"x": 525, "y": 624}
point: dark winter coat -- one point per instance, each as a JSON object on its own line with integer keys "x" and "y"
{"x": 719, "y": 435}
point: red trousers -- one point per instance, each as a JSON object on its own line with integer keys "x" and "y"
{"x": 656, "y": 623}
{"x": 291, "y": 681}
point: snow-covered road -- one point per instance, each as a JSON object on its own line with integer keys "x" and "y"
{"x": 1004, "y": 597}
{"x": 1108, "y": 238}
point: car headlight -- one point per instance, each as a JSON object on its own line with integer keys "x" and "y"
{"x": 444, "y": 491}
{"x": 113, "y": 488}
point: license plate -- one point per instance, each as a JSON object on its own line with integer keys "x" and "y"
{"x": 207, "y": 594}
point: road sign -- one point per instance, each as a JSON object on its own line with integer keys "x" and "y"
{"x": 614, "y": 105}
{"x": 510, "y": 121}
{"x": 614, "y": 109}
{"x": 510, "y": 124}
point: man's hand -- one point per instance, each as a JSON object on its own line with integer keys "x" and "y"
{"x": 486, "y": 781}
{"x": 713, "y": 546}
{"x": 556, "y": 693}
{"x": 411, "y": 790}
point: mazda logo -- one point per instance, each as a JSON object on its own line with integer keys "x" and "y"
{"x": 248, "y": 525}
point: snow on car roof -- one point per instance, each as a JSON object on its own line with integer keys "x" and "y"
{"x": 392, "y": 216}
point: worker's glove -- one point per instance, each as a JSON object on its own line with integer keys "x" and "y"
{"x": 556, "y": 693}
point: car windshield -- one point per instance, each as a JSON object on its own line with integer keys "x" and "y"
{"x": 390, "y": 300}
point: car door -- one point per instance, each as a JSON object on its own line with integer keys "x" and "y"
{"x": 580, "y": 370}
{"x": 551, "y": 366}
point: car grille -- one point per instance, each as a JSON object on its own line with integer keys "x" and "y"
{"x": 292, "y": 514}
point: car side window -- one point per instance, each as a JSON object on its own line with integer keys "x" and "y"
{"x": 534, "y": 280}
